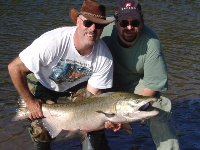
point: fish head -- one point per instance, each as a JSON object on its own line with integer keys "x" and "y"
{"x": 134, "y": 109}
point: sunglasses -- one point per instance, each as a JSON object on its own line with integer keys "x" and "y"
{"x": 88, "y": 23}
{"x": 125, "y": 23}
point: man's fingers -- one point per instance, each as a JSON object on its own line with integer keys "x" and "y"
{"x": 35, "y": 109}
{"x": 117, "y": 127}
{"x": 30, "y": 116}
{"x": 41, "y": 115}
{"x": 108, "y": 125}
{"x": 114, "y": 127}
{"x": 36, "y": 115}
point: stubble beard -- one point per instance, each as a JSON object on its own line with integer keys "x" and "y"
{"x": 129, "y": 38}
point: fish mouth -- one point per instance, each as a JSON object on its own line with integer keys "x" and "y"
{"x": 147, "y": 105}
{"x": 144, "y": 107}
{"x": 144, "y": 112}
{"x": 137, "y": 109}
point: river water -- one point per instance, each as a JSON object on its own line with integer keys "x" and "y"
{"x": 175, "y": 21}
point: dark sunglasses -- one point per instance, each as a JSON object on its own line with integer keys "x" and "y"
{"x": 88, "y": 23}
{"x": 125, "y": 23}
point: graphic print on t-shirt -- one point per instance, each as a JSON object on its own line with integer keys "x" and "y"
{"x": 69, "y": 71}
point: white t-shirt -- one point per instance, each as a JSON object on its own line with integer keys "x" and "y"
{"x": 58, "y": 66}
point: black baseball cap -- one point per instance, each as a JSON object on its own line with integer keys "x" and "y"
{"x": 128, "y": 9}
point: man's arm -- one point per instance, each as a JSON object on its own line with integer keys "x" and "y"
{"x": 18, "y": 72}
{"x": 147, "y": 92}
{"x": 92, "y": 91}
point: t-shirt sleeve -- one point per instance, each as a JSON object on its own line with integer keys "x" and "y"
{"x": 155, "y": 68}
{"x": 39, "y": 54}
{"x": 102, "y": 76}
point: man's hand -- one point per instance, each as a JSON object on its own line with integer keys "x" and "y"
{"x": 35, "y": 108}
{"x": 114, "y": 127}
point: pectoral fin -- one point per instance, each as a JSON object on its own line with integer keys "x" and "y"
{"x": 106, "y": 114}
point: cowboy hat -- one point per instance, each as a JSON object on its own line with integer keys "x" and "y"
{"x": 92, "y": 11}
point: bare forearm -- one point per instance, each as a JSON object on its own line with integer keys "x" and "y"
{"x": 147, "y": 92}
{"x": 21, "y": 85}
{"x": 92, "y": 90}
{"x": 18, "y": 75}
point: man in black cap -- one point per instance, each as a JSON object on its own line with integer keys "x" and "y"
{"x": 140, "y": 67}
{"x": 60, "y": 62}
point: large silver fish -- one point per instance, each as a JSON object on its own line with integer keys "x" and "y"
{"x": 92, "y": 113}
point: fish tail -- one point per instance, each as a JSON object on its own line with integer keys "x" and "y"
{"x": 21, "y": 112}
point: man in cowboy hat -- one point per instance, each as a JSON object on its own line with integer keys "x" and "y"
{"x": 62, "y": 61}
{"x": 140, "y": 67}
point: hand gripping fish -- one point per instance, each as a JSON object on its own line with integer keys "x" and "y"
{"x": 92, "y": 113}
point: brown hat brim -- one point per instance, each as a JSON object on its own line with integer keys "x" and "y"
{"x": 74, "y": 14}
